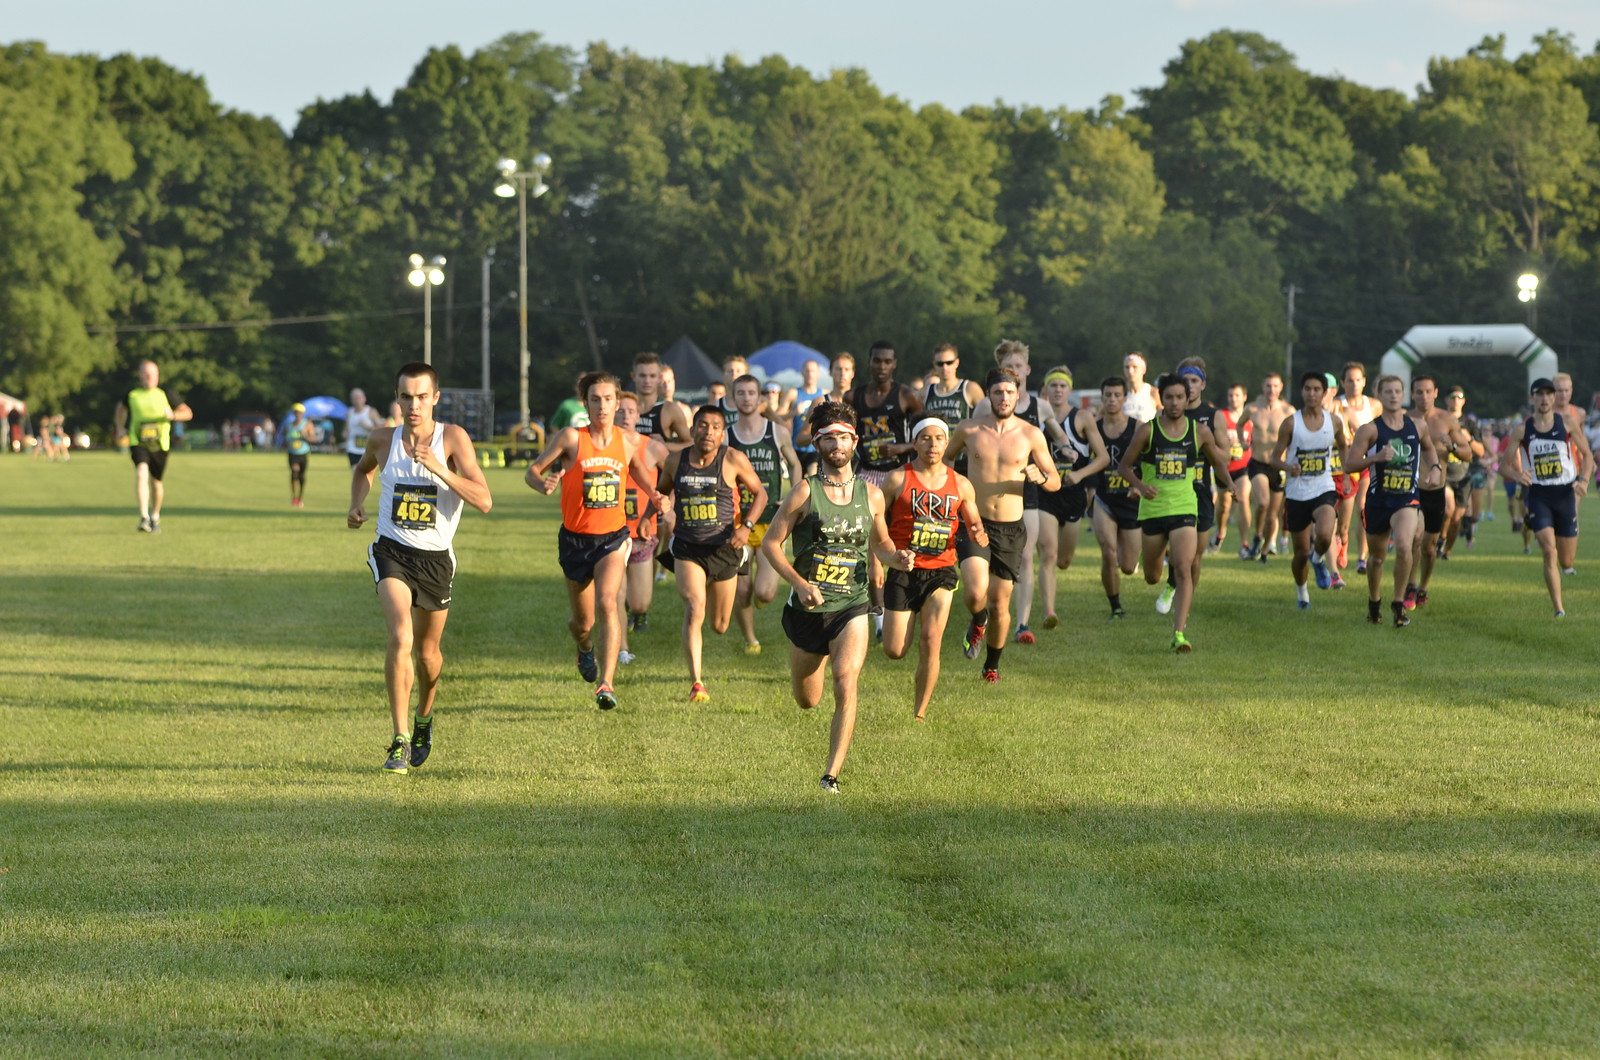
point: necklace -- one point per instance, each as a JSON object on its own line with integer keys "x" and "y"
{"x": 831, "y": 482}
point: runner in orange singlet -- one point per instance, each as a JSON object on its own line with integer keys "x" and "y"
{"x": 594, "y": 532}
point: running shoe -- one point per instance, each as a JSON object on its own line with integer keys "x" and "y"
{"x": 1410, "y": 600}
{"x": 1246, "y": 553}
{"x": 1164, "y": 601}
{"x": 1374, "y": 612}
{"x": 587, "y": 668}
{"x": 144, "y": 525}
{"x": 991, "y": 676}
{"x": 1261, "y": 557}
{"x": 755, "y": 649}
{"x": 1361, "y": 566}
{"x": 698, "y": 693}
{"x": 643, "y": 623}
{"x": 1116, "y": 613}
{"x": 1343, "y": 560}
{"x": 1180, "y": 643}
{"x": 1516, "y": 526}
{"x": 1569, "y": 570}
{"x": 633, "y": 622}
{"x": 1561, "y": 614}
{"x": 399, "y": 758}
{"x": 1338, "y": 580}
{"x": 1303, "y": 605}
{"x": 155, "y": 524}
{"x": 1051, "y": 621}
{"x": 830, "y": 784}
{"x": 605, "y": 698}
{"x": 422, "y": 742}
{"x": 1422, "y": 597}
{"x": 625, "y": 656}
{"x": 1025, "y": 635}
{"x": 974, "y": 639}
{"x": 1320, "y": 569}
{"x": 1401, "y": 619}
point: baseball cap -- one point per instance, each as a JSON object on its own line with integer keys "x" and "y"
{"x": 1541, "y": 384}
{"x": 297, "y": 407}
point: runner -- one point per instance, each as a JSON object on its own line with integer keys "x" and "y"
{"x": 669, "y": 391}
{"x": 1358, "y": 410}
{"x": 425, "y": 471}
{"x": 1005, "y": 453}
{"x": 732, "y": 368}
{"x": 359, "y": 423}
{"x": 927, "y": 503}
{"x": 947, "y": 395}
{"x": 593, "y": 542}
{"x": 796, "y": 403}
{"x": 145, "y": 418}
{"x": 1541, "y": 459}
{"x": 1267, "y": 412}
{"x": 766, "y": 445}
{"x": 1304, "y": 451}
{"x": 638, "y": 586}
{"x": 1168, "y": 449}
{"x": 1142, "y": 403}
{"x": 706, "y": 481}
{"x": 298, "y": 438}
{"x": 884, "y": 408}
{"x": 1116, "y": 509}
{"x": 659, "y": 416}
{"x": 1192, "y": 370}
{"x": 1237, "y": 434}
{"x": 836, "y": 518}
{"x": 1461, "y": 476}
{"x": 1078, "y": 462}
{"x": 1393, "y": 444}
{"x": 1448, "y": 439}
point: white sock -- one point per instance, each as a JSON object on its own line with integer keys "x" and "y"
{"x": 1303, "y": 592}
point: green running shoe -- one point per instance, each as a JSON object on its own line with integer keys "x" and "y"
{"x": 1180, "y": 643}
{"x": 422, "y": 742}
{"x": 399, "y": 759}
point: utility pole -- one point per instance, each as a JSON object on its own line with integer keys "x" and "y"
{"x": 484, "y": 325}
{"x": 1288, "y": 353}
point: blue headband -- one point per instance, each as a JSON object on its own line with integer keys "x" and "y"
{"x": 1197, "y": 372}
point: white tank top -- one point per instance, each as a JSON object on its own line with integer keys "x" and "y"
{"x": 414, "y": 507}
{"x": 1314, "y": 450}
{"x": 1139, "y": 405}
{"x": 1356, "y": 414}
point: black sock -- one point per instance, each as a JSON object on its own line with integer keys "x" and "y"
{"x": 1116, "y": 601}
{"x": 1375, "y": 608}
{"x": 992, "y": 660}
{"x": 981, "y": 618}
{"x": 1172, "y": 575}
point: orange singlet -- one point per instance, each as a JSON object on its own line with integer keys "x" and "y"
{"x": 591, "y": 489}
{"x": 925, "y": 519}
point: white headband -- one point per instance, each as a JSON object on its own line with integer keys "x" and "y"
{"x": 930, "y": 421}
{"x": 836, "y": 428}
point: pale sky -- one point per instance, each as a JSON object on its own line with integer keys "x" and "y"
{"x": 275, "y": 57}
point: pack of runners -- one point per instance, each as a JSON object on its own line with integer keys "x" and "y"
{"x": 878, "y": 502}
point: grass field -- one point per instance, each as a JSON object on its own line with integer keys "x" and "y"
{"x": 1312, "y": 837}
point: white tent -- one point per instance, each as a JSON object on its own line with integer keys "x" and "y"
{"x": 7, "y": 403}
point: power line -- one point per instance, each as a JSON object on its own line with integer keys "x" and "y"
{"x": 218, "y": 325}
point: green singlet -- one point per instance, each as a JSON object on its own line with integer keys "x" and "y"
{"x": 830, "y": 547}
{"x": 767, "y": 463}
{"x": 147, "y": 419}
{"x": 1165, "y": 464}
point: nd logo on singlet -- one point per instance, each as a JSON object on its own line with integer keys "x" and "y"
{"x": 1402, "y": 451}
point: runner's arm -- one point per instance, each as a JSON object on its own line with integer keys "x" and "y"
{"x": 542, "y": 474}
{"x": 1586, "y": 464}
{"x": 1046, "y": 466}
{"x": 1280, "y": 447}
{"x": 1356, "y": 460}
{"x": 791, "y": 459}
{"x": 361, "y": 475}
{"x": 640, "y": 463}
{"x": 1218, "y": 458}
{"x": 778, "y": 532}
{"x": 1137, "y": 485}
{"x": 466, "y": 478}
{"x": 958, "y": 442}
{"x": 1430, "y": 460}
{"x": 737, "y": 472}
{"x": 971, "y": 518}
{"x": 882, "y": 545}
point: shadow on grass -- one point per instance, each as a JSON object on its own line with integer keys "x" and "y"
{"x": 803, "y": 926}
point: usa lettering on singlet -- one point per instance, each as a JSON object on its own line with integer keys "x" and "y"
{"x": 415, "y": 508}
{"x": 1314, "y": 450}
{"x": 1549, "y": 454}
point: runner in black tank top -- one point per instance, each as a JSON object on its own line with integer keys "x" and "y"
{"x": 1401, "y": 459}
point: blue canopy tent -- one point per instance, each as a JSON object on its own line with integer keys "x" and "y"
{"x": 325, "y": 408}
{"x": 781, "y": 362}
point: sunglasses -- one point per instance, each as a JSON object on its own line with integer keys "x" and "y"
{"x": 943, "y": 364}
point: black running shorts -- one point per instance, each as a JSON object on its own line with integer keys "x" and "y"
{"x": 1377, "y": 517}
{"x": 1067, "y": 504}
{"x": 719, "y": 561}
{"x": 581, "y": 553}
{"x": 426, "y": 573}
{"x": 815, "y": 631}
{"x": 1297, "y": 515}
{"x": 1552, "y": 506}
{"x": 1004, "y": 552}
{"x": 1433, "y": 507}
{"x": 910, "y": 590}
{"x": 155, "y": 458}
{"x": 1165, "y": 524}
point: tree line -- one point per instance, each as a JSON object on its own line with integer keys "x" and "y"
{"x": 746, "y": 202}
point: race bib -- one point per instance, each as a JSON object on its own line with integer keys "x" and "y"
{"x": 1170, "y": 466}
{"x": 601, "y": 489}
{"x": 1396, "y": 479}
{"x": 930, "y": 536}
{"x": 415, "y": 507}
{"x": 150, "y": 435}
{"x": 1336, "y": 461}
{"x": 630, "y": 505}
{"x": 875, "y": 450}
{"x": 835, "y": 570}
{"x": 1313, "y": 463}
{"x": 1235, "y": 452}
{"x": 698, "y": 510}
{"x": 1547, "y": 466}
{"x": 1115, "y": 481}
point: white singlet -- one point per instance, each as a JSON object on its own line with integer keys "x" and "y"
{"x": 1139, "y": 405}
{"x": 414, "y": 507}
{"x": 1314, "y": 450}
{"x": 359, "y": 427}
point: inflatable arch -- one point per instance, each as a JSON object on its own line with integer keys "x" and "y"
{"x": 1469, "y": 340}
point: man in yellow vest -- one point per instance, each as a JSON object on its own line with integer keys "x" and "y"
{"x": 146, "y": 419}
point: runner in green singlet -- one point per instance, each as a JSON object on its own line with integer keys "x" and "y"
{"x": 766, "y": 444}
{"x": 837, "y": 520}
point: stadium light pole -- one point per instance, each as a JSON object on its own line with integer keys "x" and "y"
{"x": 514, "y": 181}
{"x": 1528, "y": 294}
{"x": 426, "y": 275}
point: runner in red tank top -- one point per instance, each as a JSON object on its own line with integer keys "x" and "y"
{"x": 638, "y": 585}
{"x": 927, "y": 502}
{"x": 594, "y": 533}
{"x": 1238, "y": 434}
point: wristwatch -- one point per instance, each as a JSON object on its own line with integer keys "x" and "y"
{"x": 749, "y": 524}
